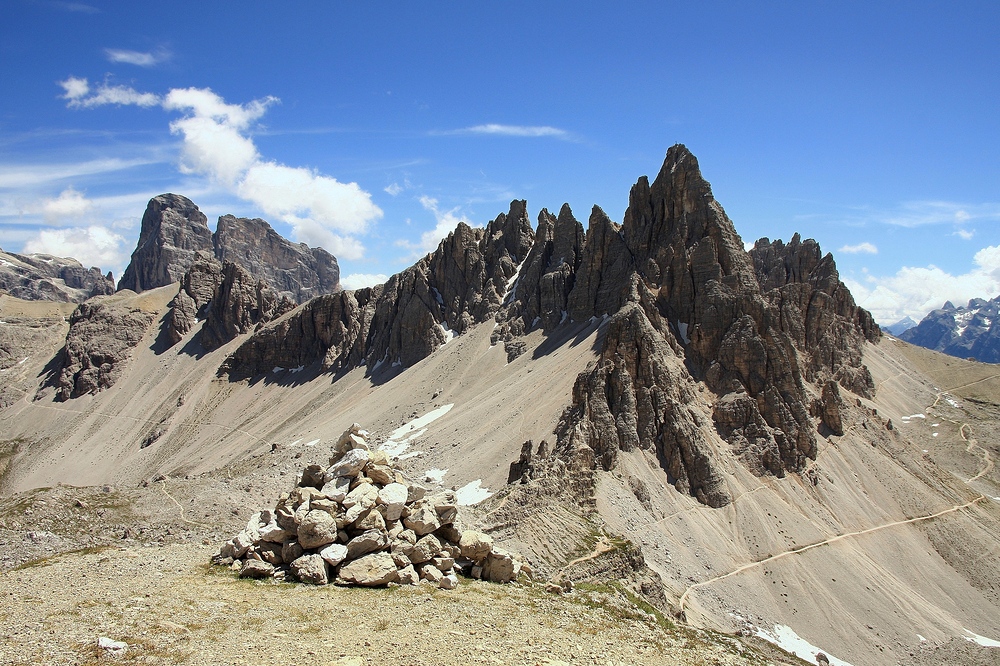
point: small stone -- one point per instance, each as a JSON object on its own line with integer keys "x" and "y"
{"x": 334, "y": 554}
{"x": 443, "y": 563}
{"x": 112, "y": 647}
{"x": 352, "y": 463}
{"x": 312, "y": 476}
{"x": 407, "y": 575}
{"x": 311, "y": 569}
{"x": 431, "y": 573}
{"x": 380, "y": 474}
{"x": 256, "y": 569}
{"x": 448, "y": 582}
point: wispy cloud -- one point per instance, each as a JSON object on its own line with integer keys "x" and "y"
{"x": 513, "y": 130}
{"x": 34, "y": 175}
{"x": 139, "y": 58}
{"x": 77, "y": 7}
{"x": 95, "y": 245}
{"x": 923, "y": 213}
{"x": 79, "y": 95}
{"x": 860, "y": 248}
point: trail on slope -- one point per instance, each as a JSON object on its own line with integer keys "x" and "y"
{"x": 802, "y": 549}
{"x": 163, "y": 487}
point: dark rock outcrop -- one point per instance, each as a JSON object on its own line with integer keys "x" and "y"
{"x": 43, "y": 277}
{"x": 173, "y": 230}
{"x": 971, "y": 332}
{"x": 198, "y": 287}
{"x": 293, "y": 270}
{"x": 175, "y": 244}
{"x": 688, "y": 309}
{"x": 239, "y": 303}
{"x": 101, "y": 337}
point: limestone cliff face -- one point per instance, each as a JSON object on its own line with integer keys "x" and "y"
{"x": 770, "y": 333}
{"x": 294, "y": 270}
{"x": 43, "y": 277}
{"x": 173, "y": 230}
{"x": 101, "y": 337}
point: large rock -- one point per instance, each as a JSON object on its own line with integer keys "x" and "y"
{"x": 43, "y": 277}
{"x": 318, "y": 528}
{"x": 101, "y": 337}
{"x": 239, "y": 303}
{"x": 172, "y": 231}
{"x": 370, "y": 571}
{"x": 311, "y": 569}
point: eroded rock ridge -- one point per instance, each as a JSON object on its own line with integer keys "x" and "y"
{"x": 688, "y": 308}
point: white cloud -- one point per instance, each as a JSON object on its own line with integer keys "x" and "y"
{"x": 140, "y": 58}
{"x": 69, "y": 203}
{"x": 515, "y": 130}
{"x": 75, "y": 88}
{"x": 860, "y": 248}
{"x": 915, "y": 291}
{"x": 394, "y": 189}
{"x": 446, "y": 223}
{"x": 80, "y": 95}
{"x": 360, "y": 280}
{"x": 320, "y": 209}
{"x": 18, "y": 176}
{"x": 91, "y": 246}
{"x": 965, "y": 234}
{"x": 216, "y": 143}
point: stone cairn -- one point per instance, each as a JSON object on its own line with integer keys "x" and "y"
{"x": 361, "y": 522}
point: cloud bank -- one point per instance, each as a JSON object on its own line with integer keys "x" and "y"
{"x": 217, "y": 143}
{"x": 914, "y": 291}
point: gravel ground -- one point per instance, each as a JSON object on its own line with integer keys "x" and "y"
{"x": 169, "y": 606}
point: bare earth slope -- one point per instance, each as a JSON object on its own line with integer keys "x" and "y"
{"x": 724, "y": 433}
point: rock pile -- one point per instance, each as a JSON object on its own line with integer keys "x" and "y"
{"x": 361, "y": 522}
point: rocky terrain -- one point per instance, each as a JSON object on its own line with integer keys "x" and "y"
{"x": 965, "y": 332}
{"x": 720, "y": 435}
{"x": 174, "y": 231}
{"x": 41, "y": 277}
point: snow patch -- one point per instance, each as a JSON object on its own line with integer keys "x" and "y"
{"x": 789, "y": 641}
{"x": 682, "y": 328}
{"x": 276, "y": 369}
{"x": 980, "y": 640}
{"x": 298, "y": 369}
{"x": 411, "y": 454}
{"x": 510, "y": 291}
{"x": 312, "y": 443}
{"x": 913, "y": 416}
{"x": 472, "y": 493}
{"x": 437, "y": 296}
{"x": 922, "y": 639}
{"x": 448, "y": 334}
{"x": 435, "y": 475}
{"x": 401, "y": 437}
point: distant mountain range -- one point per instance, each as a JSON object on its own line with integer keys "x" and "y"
{"x": 966, "y": 332}
{"x": 904, "y": 324}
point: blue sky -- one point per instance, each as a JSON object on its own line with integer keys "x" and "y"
{"x": 371, "y": 130}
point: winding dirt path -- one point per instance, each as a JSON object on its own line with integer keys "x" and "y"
{"x": 802, "y": 549}
{"x": 602, "y": 546}
{"x": 163, "y": 487}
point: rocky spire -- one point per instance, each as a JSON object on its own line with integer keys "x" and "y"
{"x": 173, "y": 229}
